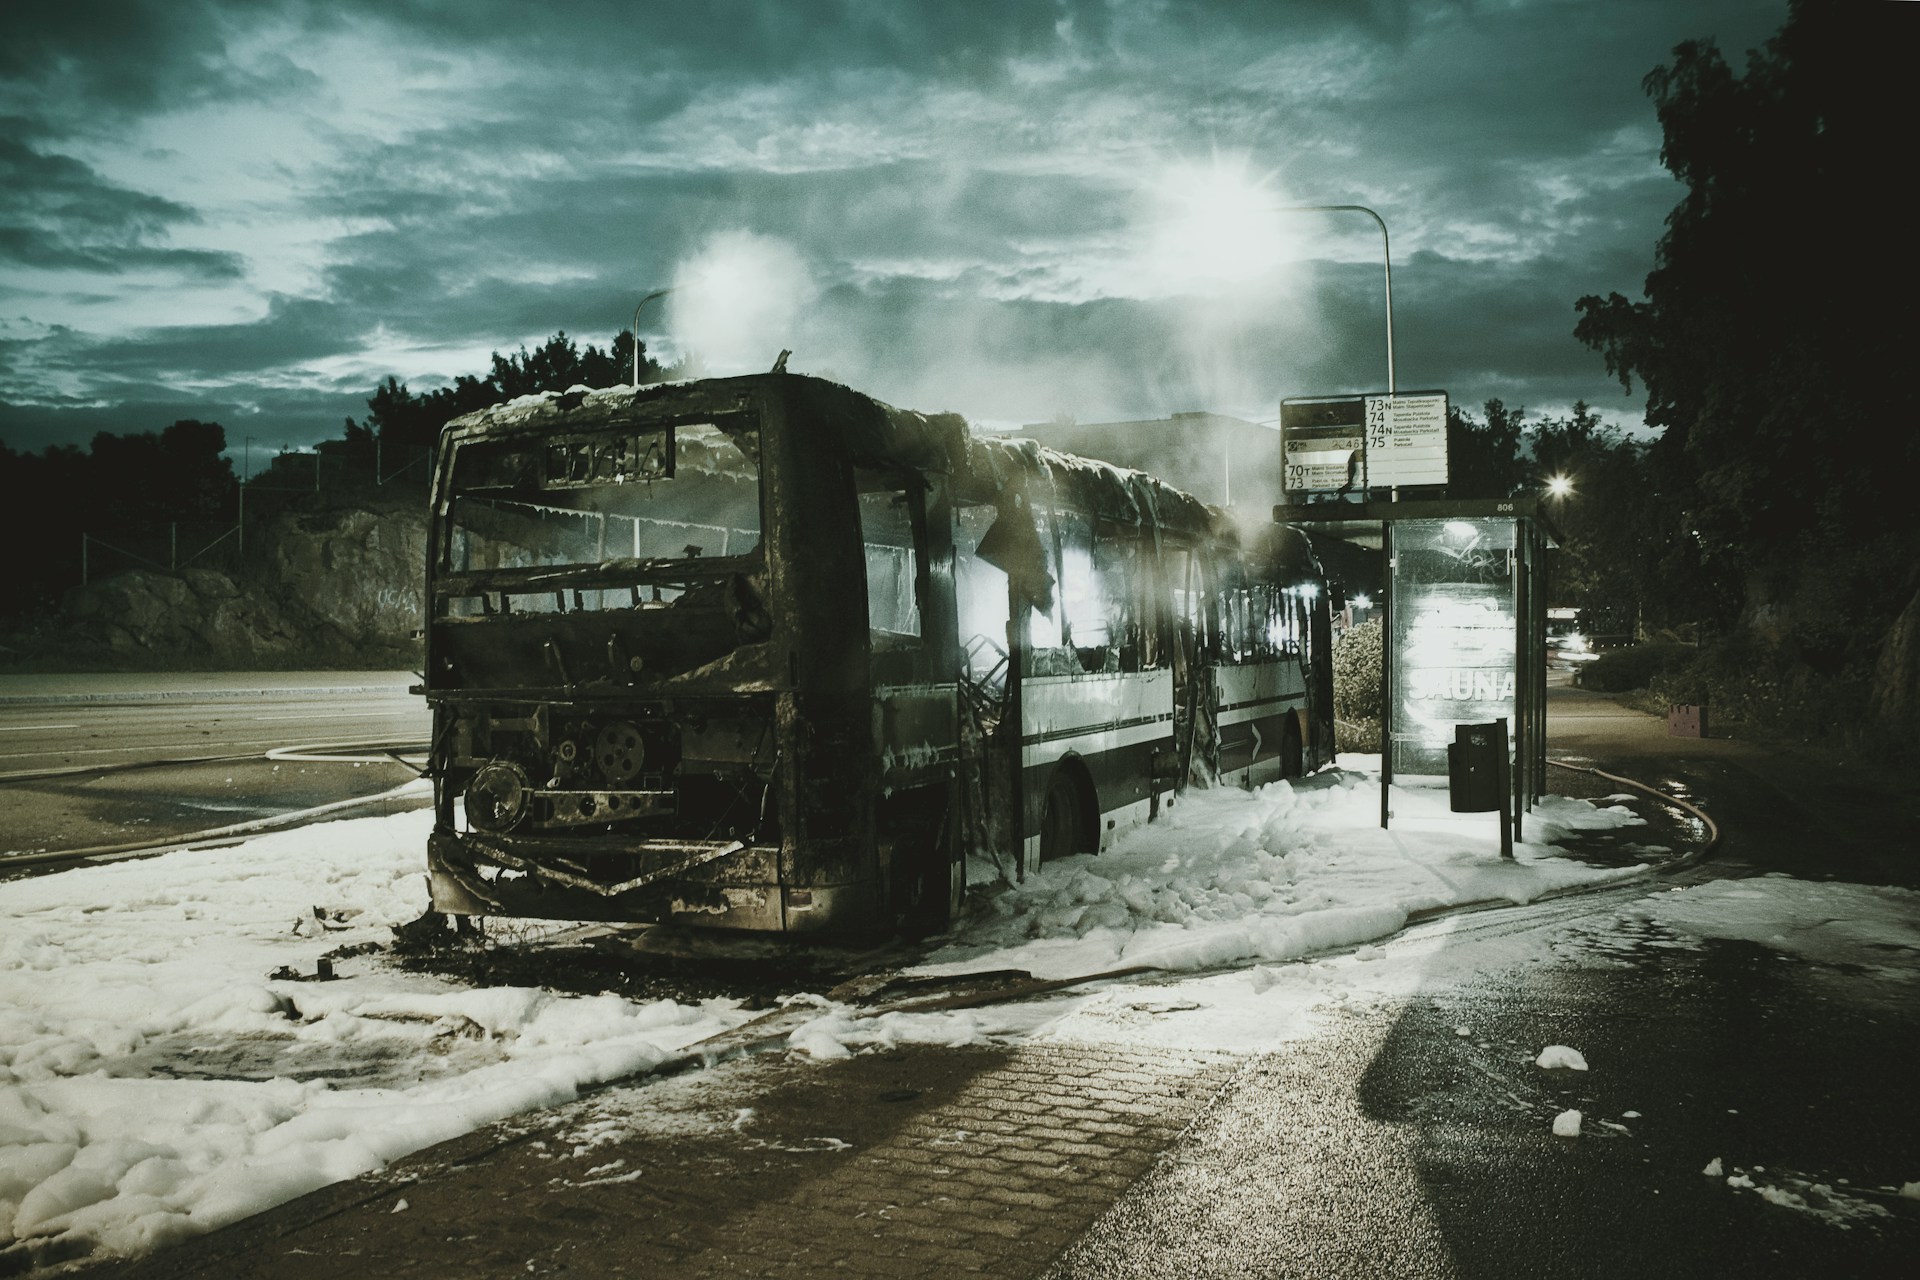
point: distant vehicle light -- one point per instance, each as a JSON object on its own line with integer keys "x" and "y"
{"x": 1571, "y": 647}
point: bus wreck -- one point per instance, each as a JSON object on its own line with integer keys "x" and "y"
{"x": 763, "y": 653}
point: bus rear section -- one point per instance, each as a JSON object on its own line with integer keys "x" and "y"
{"x": 1167, "y": 645}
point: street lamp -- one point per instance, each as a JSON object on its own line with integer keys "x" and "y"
{"x": 1386, "y": 260}
{"x": 657, "y": 293}
{"x": 240, "y": 520}
{"x": 1559, "y": 486}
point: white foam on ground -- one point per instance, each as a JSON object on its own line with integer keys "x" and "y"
{"x": 155, "y": 1081}
{"x": 120, "y": 983}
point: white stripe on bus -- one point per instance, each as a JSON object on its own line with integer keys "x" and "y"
{"x": 1094, "y": 741}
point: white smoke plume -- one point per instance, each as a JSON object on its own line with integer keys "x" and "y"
{"x": 739, "y": 301}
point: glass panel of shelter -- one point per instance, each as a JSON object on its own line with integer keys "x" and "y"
{"x": 1453, "y": 634}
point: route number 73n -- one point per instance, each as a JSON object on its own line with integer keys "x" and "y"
{"x": 1379, "y": 421}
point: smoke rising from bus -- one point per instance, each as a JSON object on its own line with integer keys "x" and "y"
{"x": 738, "y": 301}
{"x": 1197, "y": 303}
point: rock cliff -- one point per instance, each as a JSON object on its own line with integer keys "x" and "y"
{"x": 321, "y": 584}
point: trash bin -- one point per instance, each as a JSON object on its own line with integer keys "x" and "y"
{"x": 1477, "y": 769}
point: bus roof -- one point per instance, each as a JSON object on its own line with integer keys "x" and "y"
{"x": 985, "y": 468}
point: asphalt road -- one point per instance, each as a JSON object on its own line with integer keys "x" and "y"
{"x": 109, "y": 760}
{"x": 1397, "y": 1147}
{"x": 1783, "y": 807}
{"x": 1393, "y": 1146}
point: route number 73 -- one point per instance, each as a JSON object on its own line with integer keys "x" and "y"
{"x": 1379, "y": 421}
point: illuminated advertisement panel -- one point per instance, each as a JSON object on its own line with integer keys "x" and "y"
{"x": 1454, "y": 635}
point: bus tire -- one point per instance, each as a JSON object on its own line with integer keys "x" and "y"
{"x": 1293, "y": 761}
{"x": 920, "y": 872}
{"x": 1064, "y": 827}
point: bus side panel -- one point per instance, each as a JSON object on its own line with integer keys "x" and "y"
{"x": 1256, "y": 699}
{"x": 1114, "y": 723}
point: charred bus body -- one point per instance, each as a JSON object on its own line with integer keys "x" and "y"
{"x": 763, "y": 653}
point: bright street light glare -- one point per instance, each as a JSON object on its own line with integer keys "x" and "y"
{"x": 1559, "y": 486}
{"x": 1216, "y": 224}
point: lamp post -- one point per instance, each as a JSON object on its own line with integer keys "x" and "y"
{"x": 1386, "y": 528}
{"x": 246, "y": 473}
{"x": 1386, "y": 259}
{"x": 657, "y": 293}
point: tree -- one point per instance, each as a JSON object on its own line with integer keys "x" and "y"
{"x": 195, "y": 472}
{"x": 144, "y": 482}
{"x": 1774, "y": 333}
{"x": 124, "y": 486}
{"x": 406, "y": 422}
{"x": 1483, "y": 458}
{"x": 1610, "y": 534}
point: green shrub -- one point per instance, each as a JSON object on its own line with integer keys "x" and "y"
{"x": 1356, "y": 673}
{"x": 1750, "y": 683}
{"x": 1634, "y": 667}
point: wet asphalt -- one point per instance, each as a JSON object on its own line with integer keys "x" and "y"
{"x": 112, "y": 760}
{"x": 1394, "y": 1146}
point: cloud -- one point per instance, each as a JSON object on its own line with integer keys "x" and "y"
{"x": 111, "y": 59}
{"x": 286, "y": 195}
{"x": 56, "y": 212}
{"x": 292, "y": 331}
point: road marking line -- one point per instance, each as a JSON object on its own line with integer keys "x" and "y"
{"x": 24, "y": 728}
{"x": 330, "y": 715}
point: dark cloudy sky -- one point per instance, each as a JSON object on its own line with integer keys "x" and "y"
{"x": 1016, "y": 209}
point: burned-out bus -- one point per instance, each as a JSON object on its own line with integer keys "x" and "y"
{"x": 763, "y": 653}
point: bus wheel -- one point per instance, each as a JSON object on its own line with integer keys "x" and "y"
{"x": 1062, "y": 831}
{"x": 1292, "y": 757}
{"x": 920, "y": 873}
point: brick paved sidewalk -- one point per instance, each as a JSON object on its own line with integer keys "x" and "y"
{"x": 917, "y": 1162}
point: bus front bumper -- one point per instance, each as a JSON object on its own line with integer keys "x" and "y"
{"x": 716, "y": 885}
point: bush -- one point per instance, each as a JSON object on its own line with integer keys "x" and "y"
{"x": 1635, "y": 667}
{"x": 1750, "y": 683}
{"x": 1356, "y": 673}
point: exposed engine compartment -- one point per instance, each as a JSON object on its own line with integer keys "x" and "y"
{"x": 690, "y": 769}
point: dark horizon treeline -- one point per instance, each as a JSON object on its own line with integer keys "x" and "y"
{"x": 400, "y": 419}
{"x": 140, "y": 493}
{"x": 132, "y": 490}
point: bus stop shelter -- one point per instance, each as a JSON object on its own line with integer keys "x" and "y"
{"x": 1463, "y": 610}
